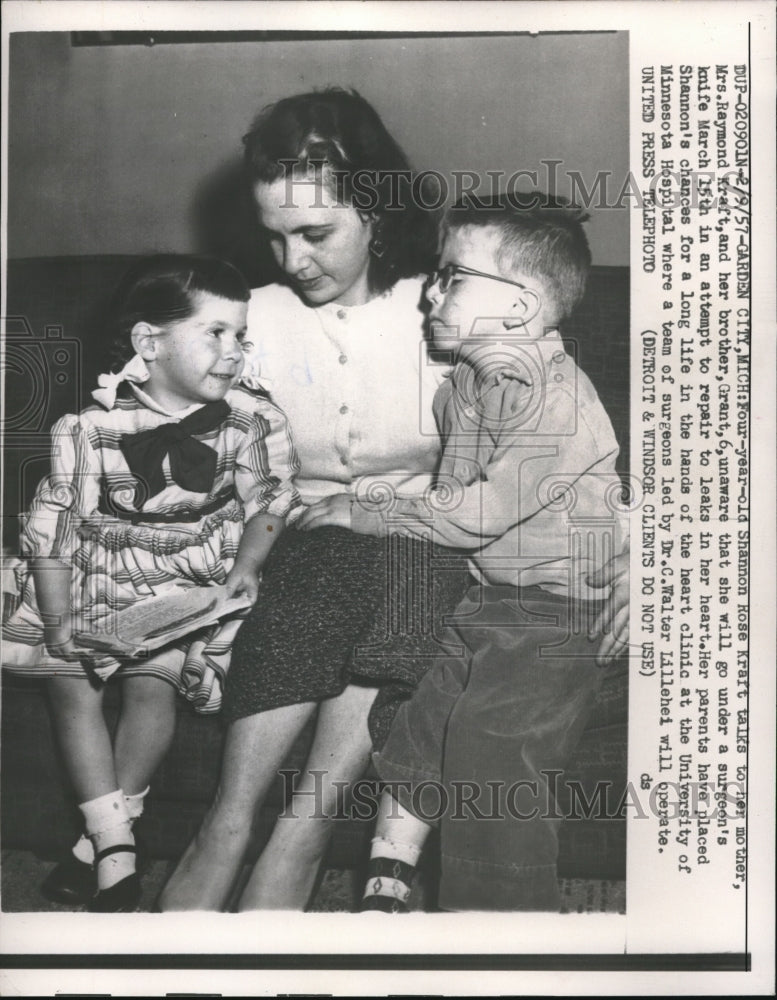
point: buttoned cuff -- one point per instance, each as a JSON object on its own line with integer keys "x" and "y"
{"x": 280, "y": 504}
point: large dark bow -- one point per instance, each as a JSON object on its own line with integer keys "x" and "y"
{"x": 192, "y": 463}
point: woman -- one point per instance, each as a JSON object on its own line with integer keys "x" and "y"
{"x": 341, "y": 348}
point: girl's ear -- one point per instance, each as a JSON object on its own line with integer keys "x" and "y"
{"x": 527, "y": 306}
{"x": 144, "y": 340}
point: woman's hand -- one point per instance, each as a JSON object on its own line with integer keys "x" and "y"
{"x": 243, "y": 581}
{"x": 331, "y": 512}
{"x": 613, "y": 619}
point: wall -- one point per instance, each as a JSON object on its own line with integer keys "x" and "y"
{"x": 108, "y": 145}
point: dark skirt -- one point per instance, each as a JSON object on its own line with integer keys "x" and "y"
{"x": 337, "y": 608}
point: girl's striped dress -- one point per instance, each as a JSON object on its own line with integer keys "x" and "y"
{"x": 90, "y": 515}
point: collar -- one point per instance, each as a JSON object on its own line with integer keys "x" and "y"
{"x": 551, "y": 350}
{"x": 529, "y": 364}
{"x": 152, "y": 404}
{"x": 135, "y": 372}
{"x": 252, "y": 377}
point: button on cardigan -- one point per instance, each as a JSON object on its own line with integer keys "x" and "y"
{"x": 356, "y": 383}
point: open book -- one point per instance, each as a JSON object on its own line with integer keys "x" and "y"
{"x": 171, "y": 613}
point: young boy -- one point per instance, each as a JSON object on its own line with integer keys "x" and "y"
{"x": 527, "y": 482}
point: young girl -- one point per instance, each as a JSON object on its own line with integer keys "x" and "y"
{"x": 178, "y": 474}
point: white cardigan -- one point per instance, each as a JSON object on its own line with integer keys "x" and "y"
{"x": 356, "y": 384}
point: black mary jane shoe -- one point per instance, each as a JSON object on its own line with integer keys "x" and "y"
{"x": 71, "y": 882}
{"x": 74, "y": 882}
{"x": 124, "y": 896}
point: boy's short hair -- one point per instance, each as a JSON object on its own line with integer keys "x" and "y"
{"x": 539, "y": 235}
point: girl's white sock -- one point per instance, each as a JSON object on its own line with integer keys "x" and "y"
{"x": 83, "y": 848}
{"x": 108, "y": 824}
{"x": 135, "y": 803}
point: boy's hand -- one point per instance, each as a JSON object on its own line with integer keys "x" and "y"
{"x": 613, "y": 619}
{"x": 334, "y": 512}
{"x": 243, "y": 580}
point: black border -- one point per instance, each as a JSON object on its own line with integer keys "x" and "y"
{"x": 749, "y": 470}
{"x": 613, "y": 962}
{"x": 370, "y": 961}
{"x": 81, "y": 38}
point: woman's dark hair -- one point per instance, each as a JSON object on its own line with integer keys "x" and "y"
{"x": 163, "y": 289}
{"x": 340, "y": 136}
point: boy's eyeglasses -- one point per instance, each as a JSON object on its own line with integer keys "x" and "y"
{"x": 446, "y": 274}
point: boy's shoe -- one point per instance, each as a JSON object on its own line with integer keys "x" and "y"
{"x": 71, "y": 882}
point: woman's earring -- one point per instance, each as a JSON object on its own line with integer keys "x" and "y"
{"x": 377, "y": 247}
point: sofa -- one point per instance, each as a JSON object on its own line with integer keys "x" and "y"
{"x": 54, "y": 352}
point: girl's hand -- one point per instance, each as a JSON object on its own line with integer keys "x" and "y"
{"x": 613, "y": 619}
{"x": 59, "y": 641}
{"x": 334, "y": 512}
{"x": 52, "y": 590}
{"x": 243, "y": 580}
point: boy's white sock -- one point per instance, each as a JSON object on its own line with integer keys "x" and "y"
{"x": 382, "y": 847}
{"x": 83, "y": 848}
{"x": 108, "y": 824}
